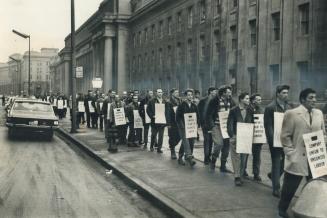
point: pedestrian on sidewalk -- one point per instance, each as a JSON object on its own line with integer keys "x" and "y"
{"x": 143, "y": 104}
{"x": 298, "y": 121}
{"x": 207, "y": 137}
{"x": 238, "y": 114}
{"x": 255, "y": 108}
{"x": 99, "y": 106}
{"x": 157, "y": 129}
{"x": 174, "y": 137}
{"x": 87, "y": 102}
{"x": 134, "y": 132}
{"x": 93, "y": 111}
{"x": 80, "y": 109}
{"x": 280, "y": 105}
{"x": 109, "y": 99}
{"x": 186, "y": 107}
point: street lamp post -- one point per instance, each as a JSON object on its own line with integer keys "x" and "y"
{"x": 25, "y": 36}
{"x": 19, "y": 70}
{"x": 72, "y": 68}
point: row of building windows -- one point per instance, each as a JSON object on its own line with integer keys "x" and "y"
{"x": 276, "y": 25}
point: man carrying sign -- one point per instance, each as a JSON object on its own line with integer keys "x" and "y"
{"x": 134, "y": 132}
{"x": 157, "y": 128}
{"x": 99, "y": 106}
{"x": 238, "y": 114}
{"x": 145, "y": 117}
{"x": 186, "y": 107}
{"x": 297, "y": 122}
{"x": 280, "y": 105}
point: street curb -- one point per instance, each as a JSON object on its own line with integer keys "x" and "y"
{"x": 171, "y": 208}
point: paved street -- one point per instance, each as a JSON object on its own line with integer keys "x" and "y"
{"x": 49, "y": 179}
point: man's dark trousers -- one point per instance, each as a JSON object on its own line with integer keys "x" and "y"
{"x": 277, "y": 166}
{"x": 174, "y": 137}
{"x": 207, "y": 145}
{"x": 157, "y": 130}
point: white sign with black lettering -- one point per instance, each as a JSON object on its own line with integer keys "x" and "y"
{"x": 259, "y": 135}
{"x": 278, "y": 122}
{"x": 316, "y": 153}
{"x": 65, "y": 103}
{"x": 55, "y": 102}
{"x": 138, "y": 124}
{"x": 91, "y": 108}
{"x": 119, "y": 114}
{"x": 160, "y": 117}
{"x": 80, "y": 106}
{"x": 147, "y": 118}
{"x": 60, "y": 104}
{"x": 244, "y": 138}
{"x": 191, "y": 127}
{"x": 223, "y": 116}
{"x": 100, "y": 106}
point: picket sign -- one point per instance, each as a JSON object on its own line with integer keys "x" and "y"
{"x": 91, "y": 108}
{"x": 278, "y": 122}
{"x": 147, "y": 118}
{"x": 119, "y": 114}
{"x": 191, "y": 127}
{"x": 244, "y": 138}
{"x": 259, "y": 135}
{"x": 80, "y": 106}
{"x": 60, "y": 104}
{"x": 138, "y": 124}
{"x": 223, "y": 116}
{"x": 160, "y": 114}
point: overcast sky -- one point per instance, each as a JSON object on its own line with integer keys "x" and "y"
{"x": 47, "y": 21}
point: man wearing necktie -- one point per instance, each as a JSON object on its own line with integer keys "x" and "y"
{"x": 298, "y": 121}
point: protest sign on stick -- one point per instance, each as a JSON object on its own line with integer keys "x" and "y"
{"x": 223, "y": 116}
{"x": 138, "y": 124}
{"x": 80, "y": 106}
{"x": 259, "y": 134}
{"x": 191, "y": 127}
{"x": 244, "y": 138}
{"x": 119, "y": 114}
{"x": 278, "y": 122}
{"x": 160, "y": 114}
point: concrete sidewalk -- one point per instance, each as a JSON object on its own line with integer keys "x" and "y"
{"x": 191, "y": 192}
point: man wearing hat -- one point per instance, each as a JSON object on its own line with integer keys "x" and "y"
{"x": 280, "y": 104}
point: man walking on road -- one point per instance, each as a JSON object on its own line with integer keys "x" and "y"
{"x": 298, "y": 121}
{"x": 280, "y": 105}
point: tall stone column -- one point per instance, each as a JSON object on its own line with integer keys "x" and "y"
{"x": 108, "y": 64}
{"x": 66, "y": 79}
{"x": 122, "y": 74}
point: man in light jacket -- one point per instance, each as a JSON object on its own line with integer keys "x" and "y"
{"x": 298, "y": 121}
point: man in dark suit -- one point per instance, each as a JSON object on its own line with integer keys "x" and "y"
{"x": 238, "y": 114}
{"x": 144, "y": 103}
{"x": 297, "y": 122}
{"x": 280, "y": 104}
{"x": 87, "y": 101}
{"x": 156, "y": 128}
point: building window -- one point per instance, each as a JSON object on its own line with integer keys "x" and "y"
{"x": 303, "y": 68}
{"x": 153, "y": 32}
{"x": 140, "y": 37}
{"x": 304, "y": 18}
{"x": 139, "y": 63}
{"x": 274, "y": 70}
{"x": 232, "y": 79}
{"x": 169, "y": 26}
{"x": 202, "y": 48}
{"x": 234, "y": 37}
{"x": 253, "y": 79}
{"x": 179, "y": 54}
{"x": 235, "y": 3}
{"x": 160, "y": 59}
{"x": 252, "y": 2}
{"x": 134, "y": 40}
{"x": 179, "y": 21}
{"x": 217, "y": 41}
{"x": 170, "y": 60}
{"x": 145, "y": 35}
{"x": 203, "y": 11}
{"x": 276, "y": 25}
{"x": 190, "y": 17}
{"x": 152, "y": 59}
{"x": 253, "y": 32}
{"x": 161, "y": 29}
{"x": 189, "y": 51}
{"x": 217, "y": 7}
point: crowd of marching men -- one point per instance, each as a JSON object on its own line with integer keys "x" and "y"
{"x": 228, "y": 127}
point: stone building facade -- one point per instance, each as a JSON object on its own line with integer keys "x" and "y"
{"x": 5, "y": 82}
{"x": 251, "y": 45}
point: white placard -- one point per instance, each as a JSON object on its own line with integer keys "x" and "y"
{"x": 316, "y": 153}
{"x": 138, "y": 124}
{"x": 191, "y": 127}
{"x": 91, "y": 108}
{"x": 60, "y": 104}
{"x": 119, "y": 114}
{"x": 66, "y": 103}
{"x": 80, "y": 106}
{"x": 100, "y": 105}
{"x": 244, "y": 138}
{"x": 278, "y": 122}
{"x": 175, "y": 109}
{"x": 160, "y": 114}
{"x": 223, "y": 117}
{"x": 147, "y": 118}
{"x": 55, "y": 102}
{"x": 259, "y": 134}
{"x": 48, "y": 98}
{"x": 108, "y": 111}
{"x": 79, "y": 72}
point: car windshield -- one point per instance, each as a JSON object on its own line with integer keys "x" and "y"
{"x": 32, "y": 106}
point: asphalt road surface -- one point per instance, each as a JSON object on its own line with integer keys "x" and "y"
{"x": 52, "y": 179}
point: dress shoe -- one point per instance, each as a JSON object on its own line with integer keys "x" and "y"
{"x": 269, "y": 175}
{"x": 238, "y": 181}
{"x": 276, "y": 193}
{"x": 206, "y": 162}
{"x": 190, "y": 161}
{"x": 223, "y": 169}
{"x": 173, "y": 154}
{"x": 283, "y": 214}
{"x": 212, "y": 164}
{"x": 181, "y": 161}
{"x": 145, "y": 146}
{"x": 112, "y": 150}
{"x": 151, "y": 149}
{"x": 257, "y": 178}
{"x": 159, "y": 151}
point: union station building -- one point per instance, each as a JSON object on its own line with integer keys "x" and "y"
{"x": 252, "y": 45}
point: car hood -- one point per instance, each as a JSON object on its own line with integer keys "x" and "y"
{"x": 32, "y": 115}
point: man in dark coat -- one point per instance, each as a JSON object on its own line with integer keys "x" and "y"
{"x": 143, "y": 104}
{"x": 87, "y": 101}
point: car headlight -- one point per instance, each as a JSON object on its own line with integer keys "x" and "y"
{"x": 56, "y": 123}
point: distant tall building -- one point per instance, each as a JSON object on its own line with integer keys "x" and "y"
{"x": 251, "y": 45}
{"x": 5, "y": 82}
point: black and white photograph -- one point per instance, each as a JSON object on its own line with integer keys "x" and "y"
{"x": 163, "y": 108}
